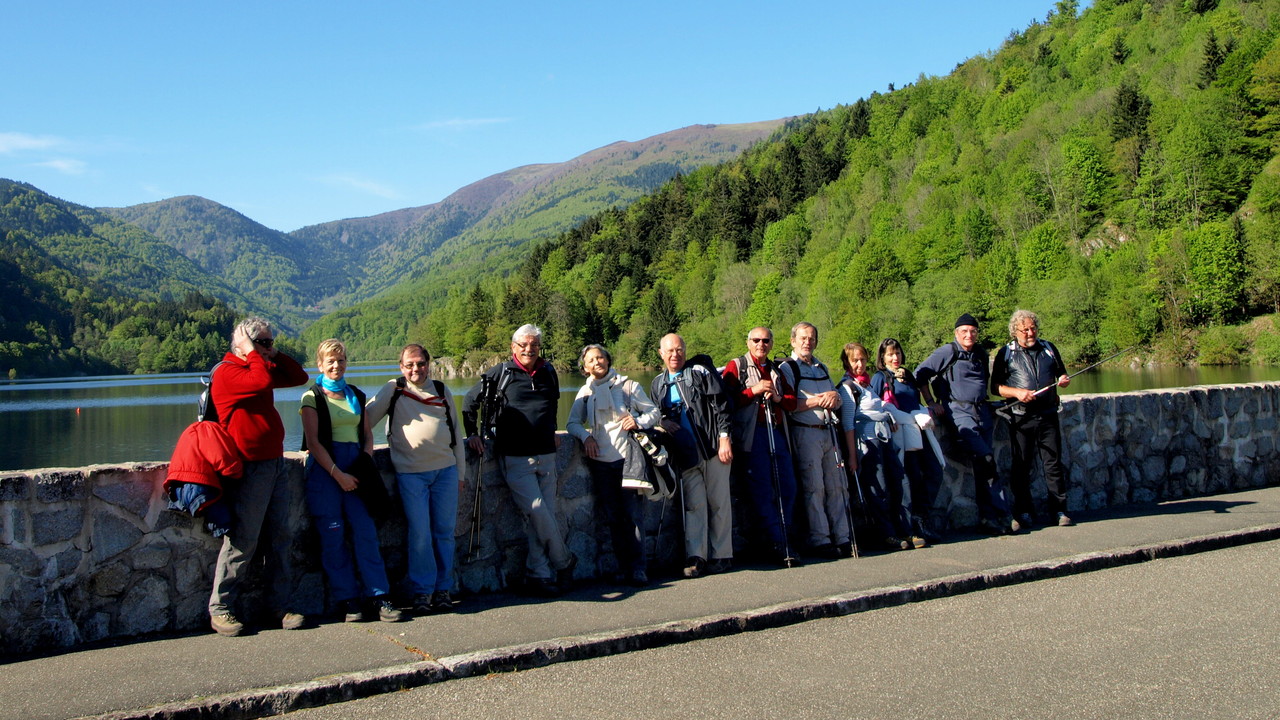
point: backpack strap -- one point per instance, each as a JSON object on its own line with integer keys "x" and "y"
{"x": 448, "y": 412}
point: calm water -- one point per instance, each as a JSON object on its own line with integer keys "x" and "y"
{"x": 84, "y": 421}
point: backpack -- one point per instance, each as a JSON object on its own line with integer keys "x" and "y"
{"x": 205, "y": 409}
{"x": 401, "y": 384}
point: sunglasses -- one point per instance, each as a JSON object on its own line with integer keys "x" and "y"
{"x": 761, "y": 340}
{"x": 264, "y": 342}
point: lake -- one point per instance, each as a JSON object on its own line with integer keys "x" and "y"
{"x": 71, "y": 422}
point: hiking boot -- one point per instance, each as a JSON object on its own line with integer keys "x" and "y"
{"x": 293, "y": 621}
{"x": 422, "y": 604}
{"x": 719, "y": 565}
{"x": 441, "y": 601}
{"x": 564, "y": 576}
{"x": 541, "y": 587}
{"x": 1064, "y": 521}
{"x": 844, "y": 550}
{"x": 351, "y": 611}
{"x": 226, "y": 625}
{"x": 1026, "y": 521}
{"x": 918, "y": 542}
{"x": 694, "y": 567}
{"x": 992, "y": 527}
{"x": 638, "y": 578}
{"x": 893, "y": 543}
{"x": 826, "y": 551}
{"x": 386, "y": 611}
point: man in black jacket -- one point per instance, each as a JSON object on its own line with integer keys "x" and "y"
{"x": 526, "y": 393}
{"x": 694, "y": 404}
{"x": 1028, "y": 364}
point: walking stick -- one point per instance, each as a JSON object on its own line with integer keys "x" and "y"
{"x": 840, "y": 466}
{"x": 1013, "y": 401}
{"x": 475, "y": 508}
{"x": 787, "y": 558}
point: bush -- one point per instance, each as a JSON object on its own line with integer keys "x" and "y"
{"x": 1267, "y": 348}
{"x": 1222, "y": 345}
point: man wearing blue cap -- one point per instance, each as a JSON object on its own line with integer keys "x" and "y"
{"x": 953, "y": 381}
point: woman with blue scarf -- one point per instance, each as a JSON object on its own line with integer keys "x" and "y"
{"x": 336, "y": 432}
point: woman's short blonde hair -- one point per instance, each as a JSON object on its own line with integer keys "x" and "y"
{"x": 332, "y": 346}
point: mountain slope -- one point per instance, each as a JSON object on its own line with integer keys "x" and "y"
{"x": 84, "y": 292}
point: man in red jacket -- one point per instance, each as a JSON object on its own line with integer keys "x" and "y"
{"x": 242, "y": 392}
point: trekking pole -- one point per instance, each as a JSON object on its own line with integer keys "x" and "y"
{"x": 787, "y": 559}
{"x": 475, "y": 508}
{"x": 1052, "y": 385}
{"x": 488, "y": 403}
{"x": 840, "y": 466}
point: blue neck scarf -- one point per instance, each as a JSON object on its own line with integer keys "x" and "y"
{"x": 340, "y": 385}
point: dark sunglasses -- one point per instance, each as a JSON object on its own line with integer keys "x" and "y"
{"x": 264, "y": 342}
{"x": 761, "y": 340}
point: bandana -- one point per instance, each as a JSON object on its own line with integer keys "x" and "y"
{"x": 340, "y": 385}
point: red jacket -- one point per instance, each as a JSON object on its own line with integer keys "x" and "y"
{"x": 204, "y": 455}
{"x": 243, "y": 394}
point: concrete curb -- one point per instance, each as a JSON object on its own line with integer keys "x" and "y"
{"x": 264, "y": 702}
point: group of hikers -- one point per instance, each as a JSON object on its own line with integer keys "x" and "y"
{"x": 815, "y": 456}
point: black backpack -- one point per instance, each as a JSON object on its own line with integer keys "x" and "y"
{"x": 205, "y": 409}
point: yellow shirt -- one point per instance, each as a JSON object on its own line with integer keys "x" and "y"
{"x": 344, "y": 422}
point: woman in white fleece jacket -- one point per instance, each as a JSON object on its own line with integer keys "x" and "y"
{"x": 608, "y": 407}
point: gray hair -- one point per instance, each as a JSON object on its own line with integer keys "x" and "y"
{"x": 802, "y": 324}
{"x": 250, "y": 327}
{"x": 582, "y": 356}
{"x": 1019, "y": 317}
{"x": 527, "y": 330}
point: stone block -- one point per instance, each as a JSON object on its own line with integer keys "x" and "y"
{"x": 111, "y": 580}
{"x": 151, "y": 554}
{"x": 112, "y": 535}
{"x": 144, "y": 608}
{"x": 14, "y": 487}
{"x": 65, "y": 563}
{"x": 60, "y": 485}
{"x": 1241, "y": 428}
{"x": 56, "y": 525}
{"x": 128, "y": 491}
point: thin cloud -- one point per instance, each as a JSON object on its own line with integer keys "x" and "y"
{"x": 361, "y": 184}
{"x": 12, "y": 142}
{"x": 461, "y": 123}
{"x": 66, "y": 166}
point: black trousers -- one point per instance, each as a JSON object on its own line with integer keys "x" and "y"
{"x": 1030, "y": 435}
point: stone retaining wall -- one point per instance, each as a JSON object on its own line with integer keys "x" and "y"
{"x": 91, "y": 554}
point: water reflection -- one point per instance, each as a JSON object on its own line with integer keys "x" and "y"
{"x": 84, "y": 421}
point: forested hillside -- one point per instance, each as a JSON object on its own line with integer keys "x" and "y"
{"x": 83, "y": 292}
{"x": 1113, "y": 170}
{"x": 275, "y": 270}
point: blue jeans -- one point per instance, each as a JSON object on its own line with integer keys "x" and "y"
{"x": 764, "y": 499}
{"x": 334, "y": 511}
{"x": 431, "y": 510}
{"x": 975, "y": 428}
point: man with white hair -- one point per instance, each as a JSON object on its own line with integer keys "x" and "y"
{"x": 522, "y": 397}
{"x": 1029, "y": 372}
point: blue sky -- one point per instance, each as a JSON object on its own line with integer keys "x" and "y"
{"x": 296, "y": 113}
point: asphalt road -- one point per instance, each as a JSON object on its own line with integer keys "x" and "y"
{"x": 1187, "y": 637}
